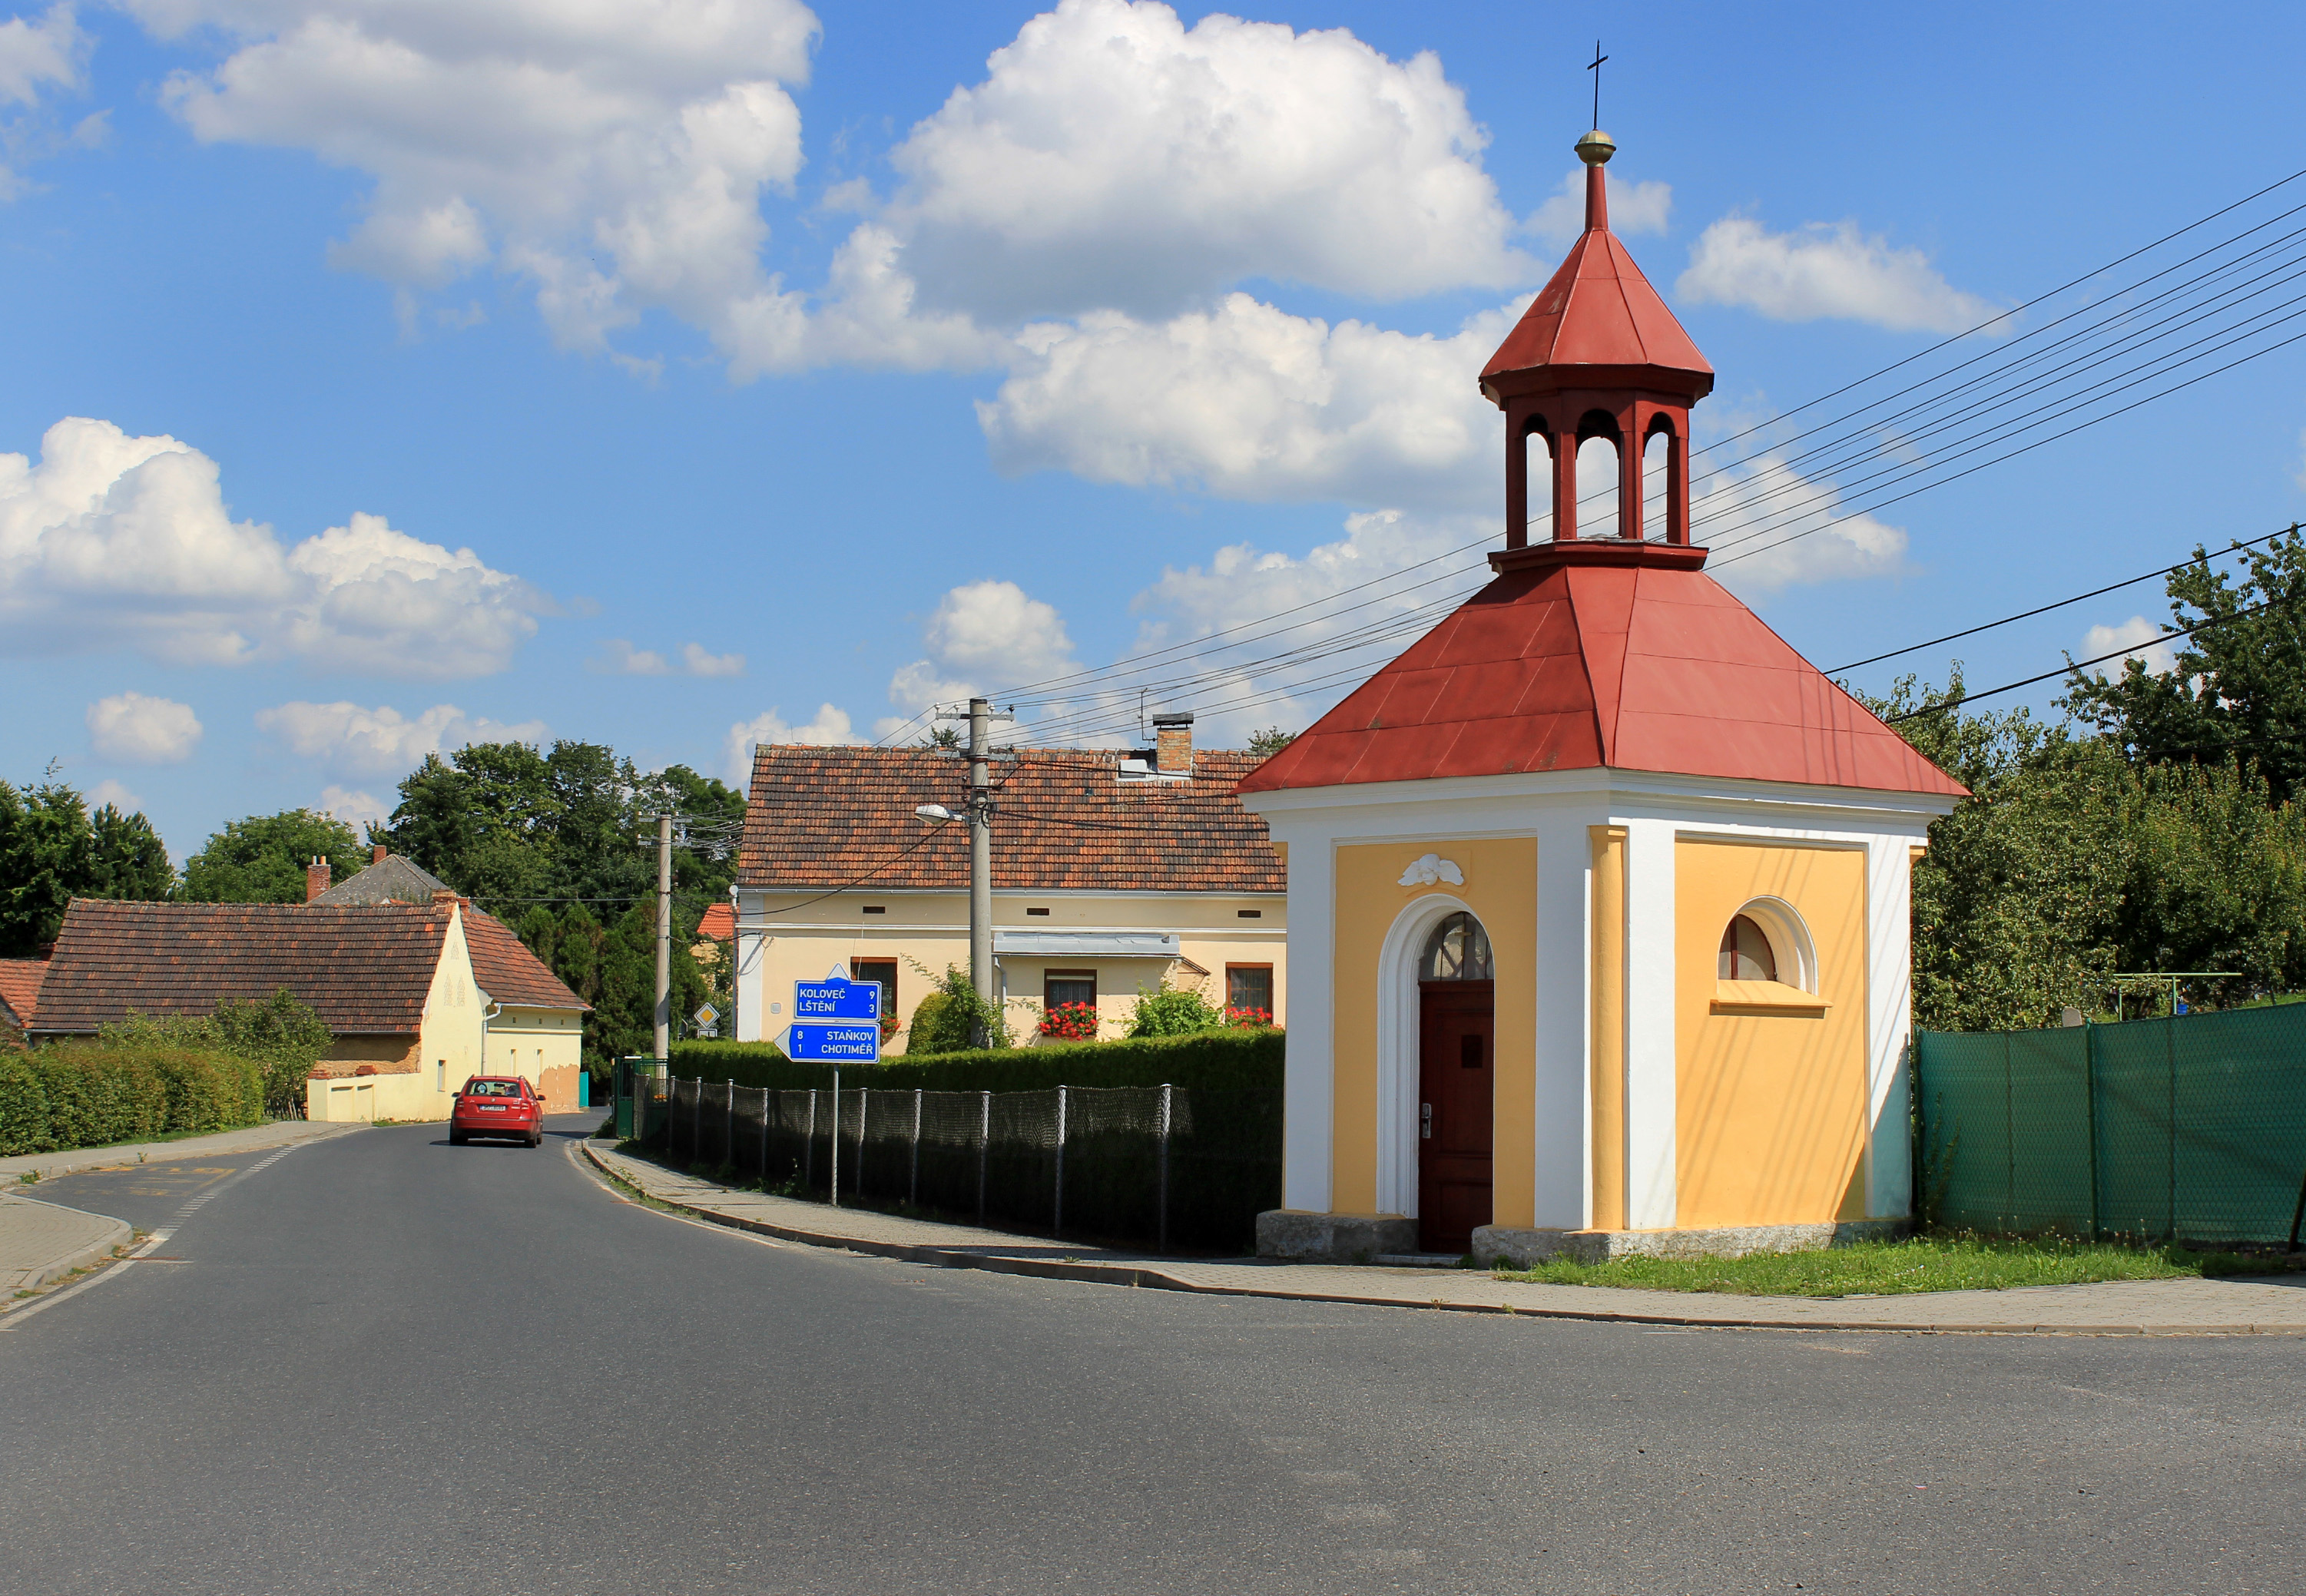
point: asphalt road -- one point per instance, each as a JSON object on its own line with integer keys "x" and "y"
{"x": 386, "y": 1364}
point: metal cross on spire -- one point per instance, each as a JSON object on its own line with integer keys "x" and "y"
{"x": 1595, "y": 68}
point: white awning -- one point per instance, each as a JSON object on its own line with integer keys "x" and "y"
{"x": 1088, "y": 944}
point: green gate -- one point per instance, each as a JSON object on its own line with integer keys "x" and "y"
{"x": 2190, "y": 1128}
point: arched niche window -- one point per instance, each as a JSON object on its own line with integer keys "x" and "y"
{"x": 1746, "y": 952}
{"x": 1457, "y": 951}
{"x": 1767, "y": 963}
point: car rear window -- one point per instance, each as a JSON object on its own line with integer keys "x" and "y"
{"x": 493, "y": 1088}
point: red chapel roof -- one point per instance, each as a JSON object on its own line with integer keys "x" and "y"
{"x": 1569, "y": 665}
{"x": 1600, "y": 310}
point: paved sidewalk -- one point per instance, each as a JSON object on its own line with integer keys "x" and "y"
{"x": 2187, "y": 1306}
{"x": 278, "y": 1133}
{"x": 41, "y": 1242}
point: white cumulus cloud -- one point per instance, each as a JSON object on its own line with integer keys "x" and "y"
{"x": 360, "y": 740}
{"x": 699, "y": 661}
{"x": 111, "y": 539}
{"x": 1114, "y": 158}
{"x": 2136, "y": 636}
{"x": 352, "y": 806}
{"x": 615, "y": 156}
{"x": 113, "y": 794}
{"x": 43, "y": 52}
{"x": 982, "y": 637}
{"x": 1824, "y": 270}
{"x": 830, "y": 729}
{"x": 1250, "y": 402}
{"x": 620, "y": 657}
{"x": 1633, "y": 208}
{"x": 145, "y": 730}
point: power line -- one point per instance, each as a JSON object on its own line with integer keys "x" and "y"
{"x": 2060, "y": 604}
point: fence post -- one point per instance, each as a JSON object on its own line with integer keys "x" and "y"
{"x": 1161, "y": 1230}
{"x": 809, "y": 1147}
{"x": 835, "y": 1137}
{"x": 864, "y": 1120}
{"x": 983, "y": 1140}
{"x": 767, "y": 1098}
{"x": 729, "y": 1141}
{"x": 913, "y": 1179}
{"x": 1057, "y": 1213}
{"x": 2090, "y": 1086}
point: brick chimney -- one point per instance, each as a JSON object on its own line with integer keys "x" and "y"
{"x": 316, "y": 879}
{"x": 376, "y": 854}
{"x": 1173, "y": 735}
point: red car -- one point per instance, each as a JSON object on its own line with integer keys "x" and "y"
{"x": 496, "y": 1105}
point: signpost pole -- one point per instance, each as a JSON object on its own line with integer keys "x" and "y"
{"x": 664, "y": 938}
{"x": 980, "y": 859}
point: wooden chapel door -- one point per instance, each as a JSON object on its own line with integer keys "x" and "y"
{"x": 1456, "y": 1111}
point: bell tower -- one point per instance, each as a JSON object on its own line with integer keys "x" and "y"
{"x": 1597, "y": 354}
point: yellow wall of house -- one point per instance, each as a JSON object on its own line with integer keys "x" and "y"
{"x": 545, "y": 1045}
{"x": 406, "y": 1094}
{"x": 930, "y": 931}
{"x": 1501, "y": 890}
{"x": 1769, "y": 1109}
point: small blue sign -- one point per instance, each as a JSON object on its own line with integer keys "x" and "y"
{"x": 836, "y": 997}
{"x": 832, "y": 1042}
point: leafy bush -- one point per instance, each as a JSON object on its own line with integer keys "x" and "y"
{"x": 283, "y": 1037}
{"x": 114, "y": 1089}
{"x": 1167, "y": 1011}
{"x": 951, "y": 1017}
{"x": 1216, "y": 1059}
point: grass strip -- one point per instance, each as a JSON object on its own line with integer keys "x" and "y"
{"x": 1921, "y": 1264}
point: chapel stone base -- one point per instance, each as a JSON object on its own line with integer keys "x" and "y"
{"x": 1516, "y": 1248}
{"x": 1294, "y": 1235}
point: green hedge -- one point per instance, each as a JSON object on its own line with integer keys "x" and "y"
{"x": 95, "y": 1094}
{"x": 1218, "y": 1059}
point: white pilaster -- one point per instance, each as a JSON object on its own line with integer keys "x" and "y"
{"x": 1889, "y": 1020}
{"x": 751, "y": 952}
{"x": 1561, "y": 1143}
{"x": 1309, "y": 1097}
{"x": 1651, "y": 1065}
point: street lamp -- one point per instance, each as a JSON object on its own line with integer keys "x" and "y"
{"x": 936, "y": 812}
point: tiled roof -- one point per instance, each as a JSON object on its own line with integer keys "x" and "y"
{"x": 504, "y": 968}
{"x": 19, "y": 989}
{"x": 717, "y": 923}
{"x": 392, "y": 879}
{"x": 822, "y": 817}
{"x": 365, "y": 971}
{"x": 1627, "y": 665}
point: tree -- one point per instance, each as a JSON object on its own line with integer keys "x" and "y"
{"x": 47, "y": 857}
{"x": 262, "y": 858}
{"x": 1167, "y": 1011}
{"x": 2237, "y": 688}
{"x": 1270, "y": 741}
{"x": 129, "y": 860}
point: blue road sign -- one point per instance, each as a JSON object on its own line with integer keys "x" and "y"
{"x": 836, "y": 997}
{"x": 832, "y": 1042}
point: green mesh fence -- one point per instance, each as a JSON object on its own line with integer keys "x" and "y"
{"x": 2192, "y": 1129}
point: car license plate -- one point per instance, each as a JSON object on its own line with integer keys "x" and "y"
{"x": 492, "y": 1108}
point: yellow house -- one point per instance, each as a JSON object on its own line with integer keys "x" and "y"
{"x": 416, "y": 997}
{"x": 1600, "y": 891}
{"x": 1111, "y": 874}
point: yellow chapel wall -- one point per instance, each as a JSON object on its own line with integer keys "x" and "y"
{"x": 1769, "y": 1109}
{"x": 1500, "y": 889}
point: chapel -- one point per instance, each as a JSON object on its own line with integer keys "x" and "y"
{"x": 1598, "y": 894}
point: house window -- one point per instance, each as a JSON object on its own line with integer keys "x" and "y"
{"x": 1457, "y": 951}
{"x": 1250, "y": 986}
{"x": 1746, "y": 952}
{"x": 882, "y": 973}
{"x": 1249, "y": 914}
{"x": 877, "y": 908}
{"x": 1037, "y": 912}
{"x": 441, "y": 1075}
{"x": 1068, "y": 987}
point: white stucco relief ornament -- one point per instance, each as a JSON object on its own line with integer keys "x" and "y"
{"x": 1431, "y": 868}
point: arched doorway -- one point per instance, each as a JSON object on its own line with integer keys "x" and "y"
{"x": 1457, "y": 1066}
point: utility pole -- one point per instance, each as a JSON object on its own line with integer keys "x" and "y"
{"x": 980, "y": 856}
{"x": 664, "y": 938}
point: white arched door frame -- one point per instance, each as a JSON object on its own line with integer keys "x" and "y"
{"x": 1400, "y": 1026}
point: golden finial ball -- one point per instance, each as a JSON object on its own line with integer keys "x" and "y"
{"x": 1596, "y": 148}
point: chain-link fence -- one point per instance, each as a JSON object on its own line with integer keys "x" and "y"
{"x": 2190, "y": 1128}
{"x": 1168, "y": 1166}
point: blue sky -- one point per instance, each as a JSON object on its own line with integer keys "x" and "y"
{"x": 671, "y": 377}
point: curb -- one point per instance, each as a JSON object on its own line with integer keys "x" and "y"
{"x": 119, "y": 1235}
{"x": 124, "y": 1154}
{"x": 1159, "y": 1279}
